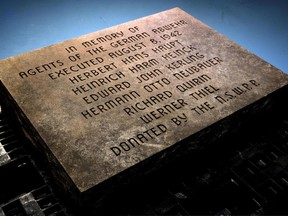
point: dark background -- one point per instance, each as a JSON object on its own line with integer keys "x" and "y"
{"x": 261, "y": 26}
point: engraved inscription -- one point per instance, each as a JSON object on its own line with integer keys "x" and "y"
{"x": 105, "y": 101}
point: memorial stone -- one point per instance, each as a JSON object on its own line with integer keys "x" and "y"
{"x": 103, "y": 104}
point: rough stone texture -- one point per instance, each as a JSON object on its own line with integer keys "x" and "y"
{"x": 197, "y": 78}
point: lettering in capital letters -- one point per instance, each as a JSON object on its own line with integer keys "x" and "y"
{"x": 138, "y": 139}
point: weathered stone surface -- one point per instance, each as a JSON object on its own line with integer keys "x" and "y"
{"x": 104, "y": 102}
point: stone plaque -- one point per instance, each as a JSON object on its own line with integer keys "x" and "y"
{"x": 107, "y": 101}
